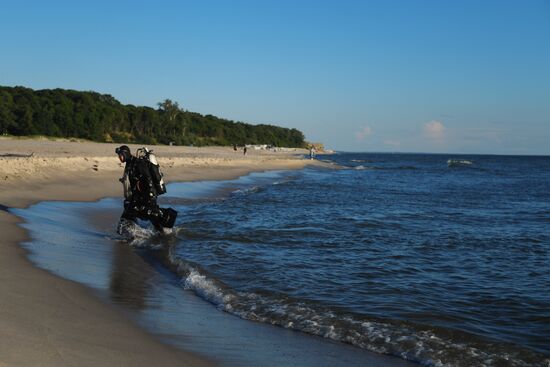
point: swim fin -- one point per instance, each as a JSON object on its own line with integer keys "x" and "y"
{"x": 169, "y": 216}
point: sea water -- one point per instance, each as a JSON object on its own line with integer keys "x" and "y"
{"x": 398, "y": 254}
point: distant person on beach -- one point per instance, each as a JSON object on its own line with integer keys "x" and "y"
{"x": 143, "y": 183}
{"x": 244, "y": 150}
{"x": 311, "y": 153}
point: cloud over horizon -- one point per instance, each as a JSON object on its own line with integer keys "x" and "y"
{"x": 435, "y": 130}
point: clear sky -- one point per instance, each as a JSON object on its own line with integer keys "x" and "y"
{"x": 415, "y": 76}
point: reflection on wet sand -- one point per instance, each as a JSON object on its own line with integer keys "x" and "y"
{"x": 130, "y": 277}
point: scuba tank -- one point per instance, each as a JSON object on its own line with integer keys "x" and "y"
{"x": 154, "y": 168}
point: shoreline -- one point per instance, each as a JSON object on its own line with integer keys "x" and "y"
{"x": 51, "y": 321}
{"x": 143, "y": 283}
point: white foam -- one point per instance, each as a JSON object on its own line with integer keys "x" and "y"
{"x": 398, "y": 338}
{"x": 247, "y": 190}
{"x": 459, "y": 162}
{"x": 134, "y": 234}
{"x": 206, "y": 289}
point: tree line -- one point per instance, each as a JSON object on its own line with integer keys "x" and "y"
{"x": 100, "y": 117}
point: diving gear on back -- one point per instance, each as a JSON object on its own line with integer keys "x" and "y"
{"x": 143, "y": 171}
{"x": 156, "y": 174}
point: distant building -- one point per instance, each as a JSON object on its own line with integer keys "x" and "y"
{"x": 257, "y": 147}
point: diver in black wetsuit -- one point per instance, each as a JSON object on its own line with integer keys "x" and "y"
{"x": 144, "y": 179}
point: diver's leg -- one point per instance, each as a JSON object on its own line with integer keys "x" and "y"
{"x": 128, "y": 217}
{"x": 168, "y": 217}
{"x": 130, "y": 211}
{"x": 154, "y": 215}
{"x": 163, "y": 218}
{"x": 160, "y": 217}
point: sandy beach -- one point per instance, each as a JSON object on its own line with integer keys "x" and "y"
{"x": 49, "y": 321}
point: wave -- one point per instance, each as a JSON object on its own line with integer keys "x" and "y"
{"x": 252, "y": 189}
{"x": 427, "y": 345}
{"x": 378, "y": 168}
{"x": 404, "y": 168}
{"x": 366, "y": 160}
{"x": 331, "y": 162}
{"x": 363, "y": 160}
{"x": 459, "y": 163}
{"x": 138, "y": 236}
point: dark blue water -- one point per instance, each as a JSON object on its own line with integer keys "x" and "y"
{"x": 407, "y": 255}
{"x": 398, "y": 254}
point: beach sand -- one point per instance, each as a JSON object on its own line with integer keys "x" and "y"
{"x": 49, "y": 321}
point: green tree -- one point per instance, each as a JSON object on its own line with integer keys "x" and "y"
{"x": 101, "y": 117}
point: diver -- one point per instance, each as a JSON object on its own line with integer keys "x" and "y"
{"x": 143, "y": 183}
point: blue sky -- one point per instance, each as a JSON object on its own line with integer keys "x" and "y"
{"x": 415, "y": 76}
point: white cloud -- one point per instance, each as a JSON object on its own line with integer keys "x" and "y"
{"x": 362, "y": 134}
{"x": 434, "y": 130}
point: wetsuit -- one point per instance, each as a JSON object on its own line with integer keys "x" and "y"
{"x": 141, "y": 201}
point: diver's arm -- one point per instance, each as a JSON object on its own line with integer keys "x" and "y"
{"x": 124, "y": 181}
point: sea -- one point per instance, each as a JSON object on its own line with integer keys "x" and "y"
{"x": 435, "y": 260}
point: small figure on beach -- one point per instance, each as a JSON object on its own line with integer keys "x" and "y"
{"x": 244, "y": 150}
{"x": 312, "y": 152}
{"x": 143, "y": 183}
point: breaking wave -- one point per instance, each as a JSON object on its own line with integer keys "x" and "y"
{"x": 427, "y": 345}
{"x": 248, "y": 190}
{"x": 459, "y": 163}
{"x": 398, "y": 168}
